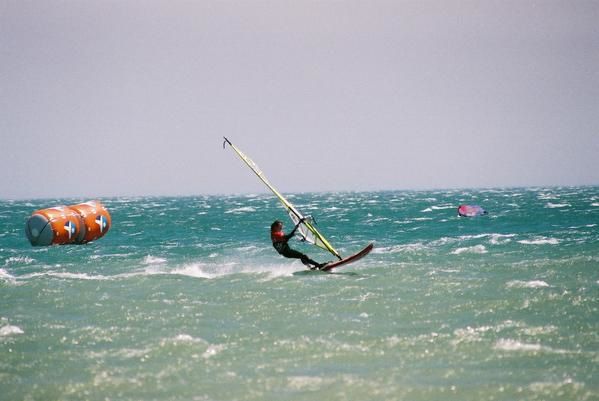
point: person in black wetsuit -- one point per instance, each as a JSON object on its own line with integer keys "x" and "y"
{"x": 280, "y": 243}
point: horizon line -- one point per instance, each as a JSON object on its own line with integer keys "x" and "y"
{"x": 254, "y": 193}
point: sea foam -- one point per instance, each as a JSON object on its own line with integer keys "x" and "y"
{"x": 13, "y": 260}
{"x": 540, "y": 241}
{"x": 153, "y": 260}
{"x": 514, "y": 345}
{"x": 511, "y": 345}
{"x": 7, "y": 277}
{"x": 244, "y": 209}
{"x": 480, "y": 249}
{"x": 527, "y": 284}
{"x": 9, "y": 330}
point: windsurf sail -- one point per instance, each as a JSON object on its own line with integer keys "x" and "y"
{"x": 471, "y": 211}
{"x": 306, "y": 228}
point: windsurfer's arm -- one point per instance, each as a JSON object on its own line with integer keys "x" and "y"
{"x": 292, "y": 233}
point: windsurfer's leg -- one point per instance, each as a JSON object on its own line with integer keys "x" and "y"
{"x": 307, "y": 261}
{"x": 292, "y": 253}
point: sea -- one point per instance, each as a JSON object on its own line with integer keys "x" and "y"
{"x": 186, "y": 299}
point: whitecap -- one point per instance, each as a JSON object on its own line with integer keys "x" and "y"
{"x": 247, "y": 248}
{"x": 110, "y": 255}
{"x": 308, "y": 383}
{"x": 212, "y": 271}
{"x": 544, "y": 196}
{"x": 550, "y": 205}
{"x": 443, "y": 241}
{"x": 7, "y": 277}
{"x": 153, "y": 260}
{"x": 539, "y": 330}
{"x": 478, "y": 236}
{"x": 527, "y": 284}
{"x": 550, "y": 388}
{"x": 494, "y": 238}
{"x": 474, "y": 334}
{"x": 185, "y": 338}
{"x": 212, "y": 350}
{"x": 377, "y": 220}
{"x": 497, "y": 239}
{"x": 479, "y": 249}
{"x": 197, "y": 270}
{"x": 18, "y": 260}
{"x": 244, "y": 209}
{"x": 443, "y": 207}
{"x": 540, "y": 241}
{"x": 67, "y": 275}
{"x": 515, "y": 345}
{"x": 78, "y": 276}
{"x": 9, "y": 330}
{"x": 470, "y": 334}
{"x": 404, "y": 248}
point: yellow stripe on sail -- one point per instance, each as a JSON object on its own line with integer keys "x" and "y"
{"x": 326, "y": 243}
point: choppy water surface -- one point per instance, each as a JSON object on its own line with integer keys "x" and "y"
{"x": 185, "y": 299}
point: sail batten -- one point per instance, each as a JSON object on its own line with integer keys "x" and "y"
{"x": 308, "y": 232}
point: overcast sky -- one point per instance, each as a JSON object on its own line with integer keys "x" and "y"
{"x": 106, "y": 98}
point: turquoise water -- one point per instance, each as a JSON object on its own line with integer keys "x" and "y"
{"x": 185, "y": 299}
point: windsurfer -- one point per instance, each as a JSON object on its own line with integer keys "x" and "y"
{"x": 280, "y": 243}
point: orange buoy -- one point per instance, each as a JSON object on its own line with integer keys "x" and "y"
{"x": 61, "y": 225}
{"x": 96, "y": 219}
